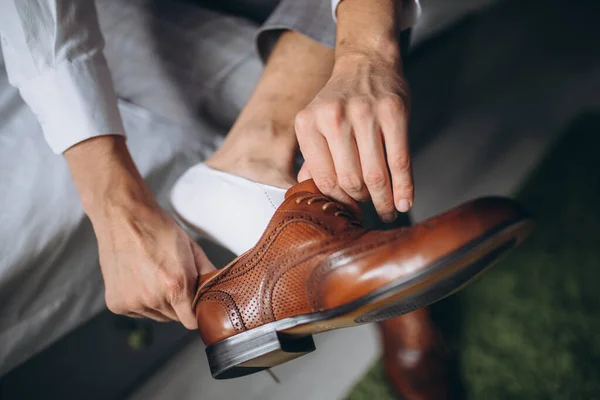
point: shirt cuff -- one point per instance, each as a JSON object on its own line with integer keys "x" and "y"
{"x": 411, "y": 11}
{"x": 74, "y": 101}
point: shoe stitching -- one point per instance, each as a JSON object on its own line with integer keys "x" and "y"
{"x": 265, "y": 305}
{"x": 232, "y": 271}
{"x": 266, "y": 194}
{"x": 271, "y": 285}
{"x": 298, "y": 258}
{"x": 334, "y": 245}
{"x": 294, "y": 219}
{"x": 270, "y": 281}
{"x": 237, "y": 270}
{"x": 320, "y": 273}
{"x": 225, "y": 308}
{"x": 266, "y": 309}
{"x": 220, "y": 297}
{"x": 243, "y": 267}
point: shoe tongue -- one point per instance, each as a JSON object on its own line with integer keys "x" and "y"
{"x": 307, "y": 186}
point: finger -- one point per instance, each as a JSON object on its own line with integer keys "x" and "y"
{"x": 372, "y": 158}
{"x": 182, "y": 305}
{"x": 322, "y": 171}
{"x": 153, "y": 308}
{"x": 153, "y": 315}
{"x": 317, "y": 157}
{"x": 168, "y": 311}
{"x": 338, "y": 132}
{"x": 134, "y": 315}
{"x": 304, "y": 173}
{"x": 201, "y": 261}
{"x": 144, "y": 305}
{"x": 394, "y": 126}
{"x": 185, "y": 313}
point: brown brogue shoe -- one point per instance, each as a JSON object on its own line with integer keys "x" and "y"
{"x": 316, "y": 269}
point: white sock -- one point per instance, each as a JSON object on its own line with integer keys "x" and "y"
{"x": 228, "y": 209}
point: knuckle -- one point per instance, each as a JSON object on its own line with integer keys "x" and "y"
{"x": 150, "y": 300}
{"x": 325, "y": 182}
{"x": 331, "y": 113}
{"x": 117, "y": 306}
{"x": 152, "y": 303}
{"x": 113, "y": 305}
{"x": 351, "y": 183}
{"x": 391, "y": 104}
{"x": 174, "y": 286}
{"x": 376, "y": 180}
{"x": 303, "y": 121}
{"x": 399, "y": 162}
{"x": 360, "y": 108}
{"x": 405, "y": 188}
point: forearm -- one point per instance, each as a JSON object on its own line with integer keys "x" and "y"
{"x": 150, "y": 266}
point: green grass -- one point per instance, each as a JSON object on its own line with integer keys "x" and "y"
{"x": 530, "y": 328}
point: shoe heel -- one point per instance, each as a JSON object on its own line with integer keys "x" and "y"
{"x": 250, "y": 352}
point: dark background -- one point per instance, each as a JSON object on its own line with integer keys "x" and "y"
{"x": 530, "y": 328}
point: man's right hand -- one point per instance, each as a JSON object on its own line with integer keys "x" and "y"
{"x": 149, "y": 264}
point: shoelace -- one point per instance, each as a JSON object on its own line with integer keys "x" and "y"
{"x": 340, "y": 210}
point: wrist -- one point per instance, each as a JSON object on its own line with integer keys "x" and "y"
{"x": 369, "y": 27}
{"x": 264, "y": 141}
{"x": 106, "y": 177}
{"x": 384, "y": 49}
{"x": 353, "y": 62}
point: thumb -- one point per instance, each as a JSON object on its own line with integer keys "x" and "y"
{"x": 203, "y": 264}
{"x": 183, "y": 306}
{"x": 304, "y": 173}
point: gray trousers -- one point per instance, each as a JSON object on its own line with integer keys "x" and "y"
{"x": 185, "y": 60}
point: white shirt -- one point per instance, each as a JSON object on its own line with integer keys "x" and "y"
{"x": 53, "y": 50}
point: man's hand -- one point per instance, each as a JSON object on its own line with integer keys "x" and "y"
{"x": 355, "y": 131}
{"x": 149, "y": 264}
{"x": 353, "y": 135}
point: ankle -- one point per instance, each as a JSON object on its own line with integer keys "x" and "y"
{"x": 268, "y": 140}
{"x": 258, "y": 170}
{"x": 262, "y": 154}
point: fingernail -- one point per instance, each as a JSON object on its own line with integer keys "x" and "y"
{"x": 391, "y": 217}
{"x": 404, "y": 205}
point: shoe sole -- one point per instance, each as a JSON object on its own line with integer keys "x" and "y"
{"x": 280, "y": 341}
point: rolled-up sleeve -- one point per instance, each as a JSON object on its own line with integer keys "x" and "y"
{"x": 312, "y": 18}
{"x": 53, "y": 50}
{"x": 316, "y": 20}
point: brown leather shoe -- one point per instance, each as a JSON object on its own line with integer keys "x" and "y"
{"x": 415, "y": 357}
{"x": 316, "y": 269}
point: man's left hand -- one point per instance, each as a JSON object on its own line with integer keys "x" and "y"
{"x": 354, "y": 138}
